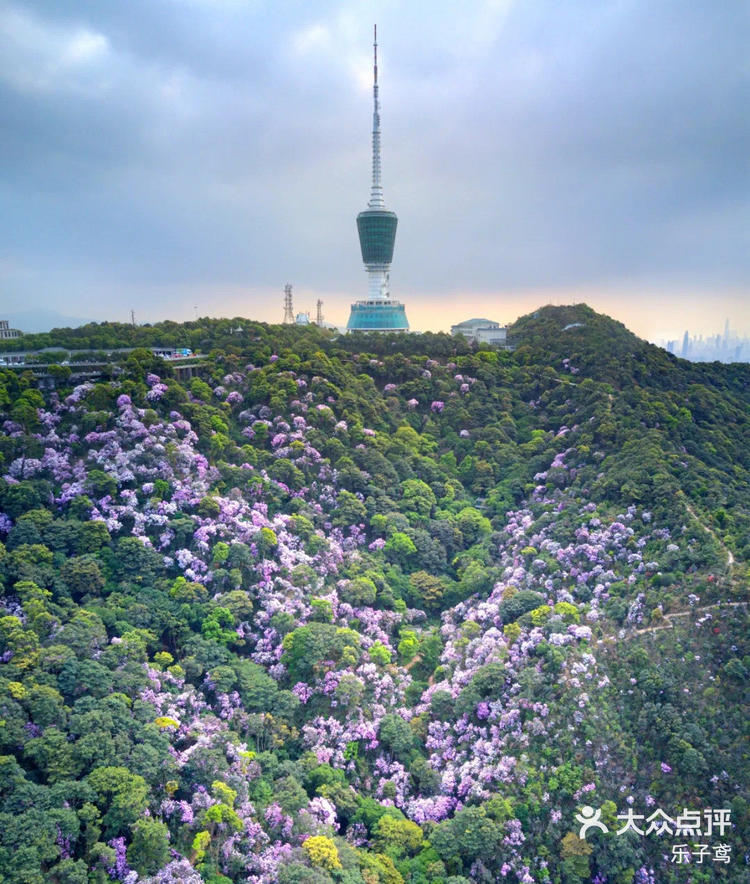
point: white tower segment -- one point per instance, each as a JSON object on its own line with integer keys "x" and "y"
{"x": 376, "y": 194}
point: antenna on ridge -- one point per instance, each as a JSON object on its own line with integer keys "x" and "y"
{"x": 288, "y": 309}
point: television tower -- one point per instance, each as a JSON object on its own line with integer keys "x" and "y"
{"x": 288, "y": 309}
{"x": 376, "y": 226}
{"x": 319, "y": 312}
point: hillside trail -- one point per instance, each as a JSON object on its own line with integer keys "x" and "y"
{"x": 670, "y": 618}
{"x": 708, "y": 530}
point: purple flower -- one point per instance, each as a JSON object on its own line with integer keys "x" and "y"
{"x": 120, "y": 869}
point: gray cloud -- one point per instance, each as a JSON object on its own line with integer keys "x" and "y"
{"x": 161, "y": 149}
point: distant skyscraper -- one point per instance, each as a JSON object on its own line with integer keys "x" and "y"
{"x": 377, "y": 237}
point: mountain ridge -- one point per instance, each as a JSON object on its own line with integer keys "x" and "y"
{"x": 372, "y": 609}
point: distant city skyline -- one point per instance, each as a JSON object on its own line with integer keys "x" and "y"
{"x": 159, "y": 157}
{"x": 725, "y": 346}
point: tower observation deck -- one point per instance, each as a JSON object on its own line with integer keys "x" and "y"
{"x": 376, "y": 226}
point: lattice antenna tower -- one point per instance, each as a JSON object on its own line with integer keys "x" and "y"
{"x": 288, "y": 308}
{"x": 319, "y": 312}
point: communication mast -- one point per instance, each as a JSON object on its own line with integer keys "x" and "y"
{"x": 288, "y": 309}
{"x": 319, "y": 313}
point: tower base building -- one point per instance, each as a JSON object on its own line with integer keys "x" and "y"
{"x": 381, "y": 315}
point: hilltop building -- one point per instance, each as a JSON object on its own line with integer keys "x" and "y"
{"x": 483, "y": 331}
{"x": 6, "y": 332}
{"x": 376, "y": 226}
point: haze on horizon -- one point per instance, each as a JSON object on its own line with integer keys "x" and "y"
{"x": 193, "y": 157}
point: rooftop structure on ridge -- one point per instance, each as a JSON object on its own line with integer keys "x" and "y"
{"x": 483, "y": 331}
{"x": 6, "y": 332}
{"x": 376, "y": 226}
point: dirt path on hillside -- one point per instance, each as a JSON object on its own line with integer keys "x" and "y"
{"x": 729, "y": 554}
{"x": 670, "y": 618}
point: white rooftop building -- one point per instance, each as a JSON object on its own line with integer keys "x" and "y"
{"x": 483, "y": 331}
{"x": 6, "y": 332}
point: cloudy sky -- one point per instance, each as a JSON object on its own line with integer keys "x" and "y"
{"x": 183, "y": 156}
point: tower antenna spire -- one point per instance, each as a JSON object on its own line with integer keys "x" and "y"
{"x": 376, "y": 194}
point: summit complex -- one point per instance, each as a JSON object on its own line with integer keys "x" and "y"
{"x": 376, "y": 226}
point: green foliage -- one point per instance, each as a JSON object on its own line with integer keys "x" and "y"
{"x": 513, "y": 608}
{"x": 471, "y": 835}
{"x": 417, "y": 498}
{"x": 120, "y": 795}
{"x": 379, "y": 654}
{"x": 397, "y": 836}
{"x": 396, "y": 736}
{"x": 428, "y": 590}
{"x": 217, "y": 626}
{"x": 359, "y": 591}
{"x": 149, "y": 849}
{"x": 128, "y": 676}
{"x": 400, "y": 548}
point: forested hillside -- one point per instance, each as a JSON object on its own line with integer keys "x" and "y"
{"x": 375, "y": 610}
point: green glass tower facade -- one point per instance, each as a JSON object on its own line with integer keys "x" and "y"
{"x": 377, "y": 236}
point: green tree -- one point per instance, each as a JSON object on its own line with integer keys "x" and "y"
{"x": 83, "y": 575}
{"x": 400, "y": 548}
{"x": 469, "y": 836}
{"x": 428, "y": 590}
{"x": 149, "y": 849}
{"x": 121, "y": 796}
{"x": 417, "y": 498}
